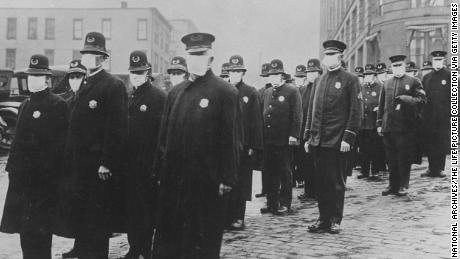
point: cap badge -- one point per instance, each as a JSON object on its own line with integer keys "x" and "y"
{"x": 204, "y": 103}
{"x": 34, "y": 61}
{"x": 443, "y": 82}
{"x": 92, "y": 104}
{"x": 36, "y": 114}
{"x": 135, "y": 59}
{"x": 235, "y": 61}
{"x": 196, "y": 37}
{"x": 338, "y": 85}
{"x": 143, "y": 108}
{"x": 90, "y": 39}
{"x": 274, "y": 65}
{"x": 299, "y": 69}
{"x": 175, "y": 61}
{"x": 281, "y": 98}
{"x": 74, "y": 64}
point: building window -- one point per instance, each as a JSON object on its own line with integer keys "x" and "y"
{"x": 77, "y": 29}
{"x": 423, "y": 40}
{"x": 142, "y": 29}
{"x": 107, "y": 28}
{"x": 49, "y": 28}
{"x": 10, "y": 58}
{"x": 11, "y": 28}
{"x": 32, "y": 29}
{"x": 49, "y": 53}
{"x": 155, "y": 63}
{"x": 76, "y": 54}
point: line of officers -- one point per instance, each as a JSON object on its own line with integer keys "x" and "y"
{"x": 173, "y": 170}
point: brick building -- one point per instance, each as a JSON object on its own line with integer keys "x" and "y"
{"x": 376, "y": 29}
{"x": 59, "y": 32}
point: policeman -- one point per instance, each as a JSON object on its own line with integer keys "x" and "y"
{"x": 411, "y": 69}
{"x": 332, "y": 124}
{"x": 251, "y": 120}
{"x": 359, "y": 72}
{"x": 198, "y": 158}
{"x": 177, "y": 70}
{"x": 72, "y": 82}
{"x": 436, "y": 115}
{"x": 306, "y": 165}
{"x": 299, "y": 152}
{"x": 97, "y": 130}
{"x": 145, "y": 109}
{"x": 381, "y": 71}
{"x": 34, "y": 164}
{"x": 371, "y": 145}
{"x": 400, "y": 99}
{"x": 427, "y": 68}
{"x": 224, "y": 71}
{"x": 264, "y": 76}
{"x": 282, "y": 115}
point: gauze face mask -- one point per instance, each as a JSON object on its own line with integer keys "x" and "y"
{"x": 311, "y": 76}
{"x": 331, "y": 61}
{"x": 137, "y": 79}
{"x": 89, "y": 61}
{"x": 275, "y": 80}
{"x": 438, "y": 64}
{"x": 75, "y": 83}
{"x": 398, "y": 71}
{"x": 299, "y": 81}
{"x": 176, "y": 79}
{"x": 197, "y": 64}
{"x": 36, "y": 83}
{"x": 368, "y": 79}
{"x": 235, "y": 77}
{"x": 361, "y": 79}
{"x": 382, "y": 77}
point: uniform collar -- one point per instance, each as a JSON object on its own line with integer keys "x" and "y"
{"x": 142, "y": 88}
{"x": 96, "y": 72}
{"x": 42, "y": 93}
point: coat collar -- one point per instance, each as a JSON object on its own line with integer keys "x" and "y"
{"x": 41, "y": 94}
{"x": 142, "y": 88}
{"x": 90, "y": 81}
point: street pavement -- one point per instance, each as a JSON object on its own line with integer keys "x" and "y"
{"x": 416, "y": 226}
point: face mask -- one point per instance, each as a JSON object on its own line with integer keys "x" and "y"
{"x": 36, "y": 83}
{"x": 137, "y": 79}
{"x": 176, "y": 79}
{"x": 368, "y": 79}
{"x": 299, "y": 81}
{"x": 398, "y": 71}
{"x": 382, "y": 77}
{"x": 197, "y": 65}
{"x": 266, "y": 81}
{"x": 331, "y": 61}
{"x": 361, "y": 80}
{"x": 438, "y": 64}
{"x": 235, "y": 77}
{"x": 275, "y": 80}
{"x": 89, "y": 61}
{"x": 311, "y": 76}
{"x": 75, "y": 84}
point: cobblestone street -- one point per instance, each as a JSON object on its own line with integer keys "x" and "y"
{"x": 416, "y": 226}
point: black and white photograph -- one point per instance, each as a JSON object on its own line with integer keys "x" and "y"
{"x": 233, "y": 129}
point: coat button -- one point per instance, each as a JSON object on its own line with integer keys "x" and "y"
{"x": 270, "y": 106}
{"x": 268, "y": 115}
{"x": 268, "y": 126}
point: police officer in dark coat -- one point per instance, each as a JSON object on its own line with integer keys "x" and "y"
{"x": 251, "y": 120}
{"x": 436, "y": 115}
{"x": 397, "y": 115}
{"x": 381, "y": 70}
{"x": 198, "y": 158}
{"x": 427, "y": 68}
{"x": 371, "y": 145}
{"x": 145, "y": 109}
{"x": 264, "y": 75}
{"x": 307, "y": 167}
{"x": 282, "y": 117}
{"x": 97, "y": 131}
{"x": 332, "y": 124}
{"x": 177, "y": 70}
{"x": 298, "y": 151}
{"x": 34, "y": 164}
{"x": 224, "y": 71}
{"x": 411, "y": 69}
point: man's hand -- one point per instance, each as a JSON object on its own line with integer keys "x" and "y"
{"x": 104, "y": 173}
{"x": 223, "y": 189}
{"x": 306, "y": 146}
{"x": 405, "y": 98}
{"x": 379, "y": 131}
{"x": 292, "y": 141}
{"x": 251, "y": 152}
{"x": 344, "y": 147}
